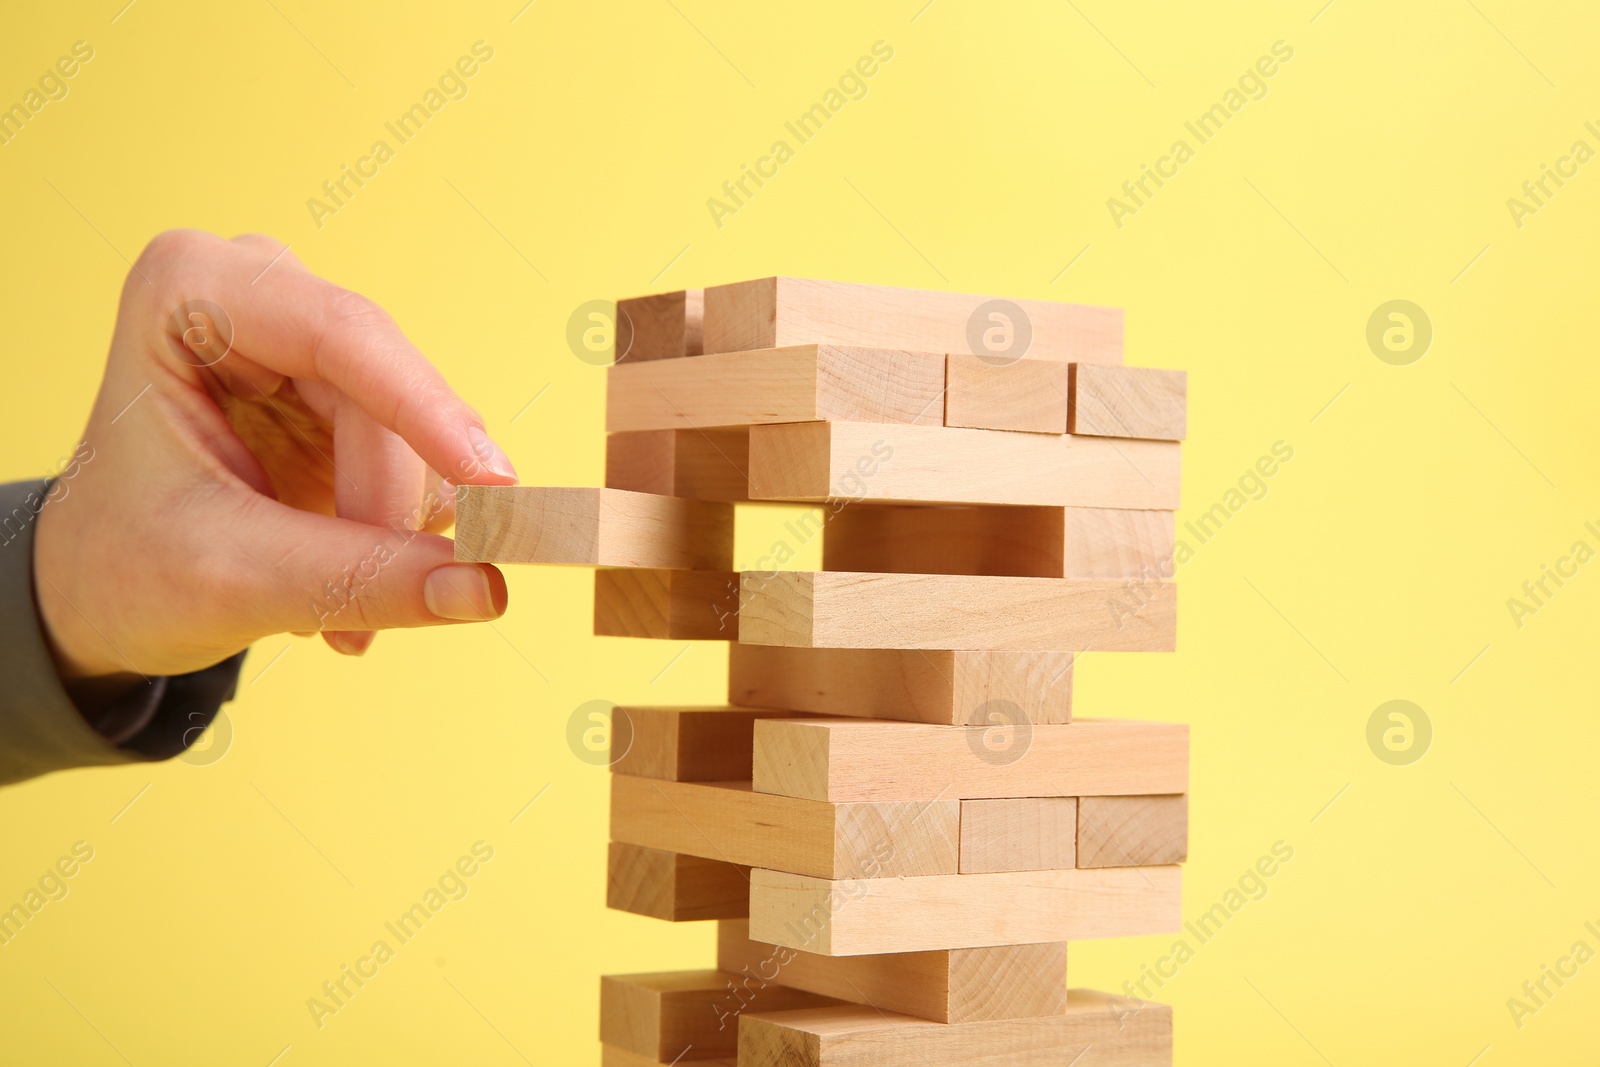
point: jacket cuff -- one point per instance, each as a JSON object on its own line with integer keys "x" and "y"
{"x": 41, "y": 729}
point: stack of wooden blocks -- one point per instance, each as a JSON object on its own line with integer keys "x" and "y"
{"x": 895, "y": 821}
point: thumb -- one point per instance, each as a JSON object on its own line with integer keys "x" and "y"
{"x": 319, "y": 572}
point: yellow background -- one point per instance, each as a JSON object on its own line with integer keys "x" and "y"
{"x": 1377, "y": 567}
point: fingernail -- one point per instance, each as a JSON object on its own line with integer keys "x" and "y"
{"x": 489, "y": 454}
{"x": 350, "y": 642}
{"x": 463, "y": 592}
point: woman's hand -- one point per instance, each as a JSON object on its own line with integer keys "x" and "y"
{"x": 267, "y": 453}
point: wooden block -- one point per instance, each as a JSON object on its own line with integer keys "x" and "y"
{"x": 661, "y": 326}
{"x": 675, "y": 887}
{"x": 945, "y": 985}
{"x": 798, "y": 384}
{"x": 730, "y": 822}
{"x": 682, "y": 605}
{"x": 699, "y": 464}
{"x": 681, "y": 1016}
{"x": 616, "y": 1057}
{"x": 1039, "y": 542}
{"x": 773, "y": 312}
{"x": 855, "y": 917}
{"x": 1129, "y": 402}
{"x": 1118, "y": 543}
{"x": 945, "y": 687}
{"x": 644, "y": 461}
{"x": 658, "y": 1015}
{"x": 1024, "y": 834}
{"x": 850, "y": 609}
{"x": 1096, "y": 1030}
{"x": 591, "y": 527}
{"x": 1029, "y": 394}
{"x": 1135, "y": 831}
{"x": 886, "y": 464}
{"x": 857, "y": 760}
{"x": 710, "y": 744}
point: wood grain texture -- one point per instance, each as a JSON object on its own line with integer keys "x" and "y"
{"x": 899, "y": 539}
{"x": 681, "y": 605}
{"x": 858, "y": 760}
{"x": 591, "y": 527}
{"x": 673, "y": 886}
{"x": 850, "y": 609}
{"x": 773, "y": 312}
{"x": 1129, "y": 402}
{"x": 689, "y": 744}
{"x": 1019, "y": 834}
{"x": 946, "y": 985}
{"x": 855, "y": 917}
{"x": 681, "y": 1016}
{"x": 1096, "y": 1030}
{"x": 616, "y": 1057}
{"x": 660, "y": 326}
{"x": 779, "y": 385}
{"x": 1037, "y": 542}
{"x": 1132, "y": 831}
{"x": 698, "y": 464}
{"x": 644, "y": 461}
{"x": 1028, "y": 394}
{"x": 886, "y": 464}
{"x": 1117, "y": 543}
{"x": 730, "y": 822}
{"x": 945, "y": 687}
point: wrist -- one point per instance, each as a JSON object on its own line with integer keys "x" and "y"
{"x": 89, "y": 667}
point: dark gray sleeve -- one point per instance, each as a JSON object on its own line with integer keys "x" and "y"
{"x": 41, "y": 730}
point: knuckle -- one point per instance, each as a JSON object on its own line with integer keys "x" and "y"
{"x": 344, "y": 309}
{"x": 258, "y": 240}
{"x": 170, "y": 250}
{"x": 351, "y": 599}
{"x": 364, "y": 611}
{"x": 347, "y": 317}
{"x": 270, "y": 250}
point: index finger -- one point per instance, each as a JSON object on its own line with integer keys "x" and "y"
{"x": 297, "y": 324}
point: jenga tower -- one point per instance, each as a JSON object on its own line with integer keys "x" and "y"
{"x": 895, "y": 820}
